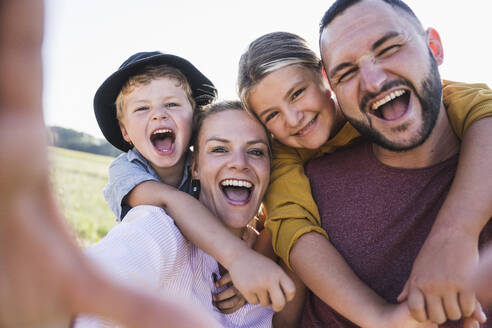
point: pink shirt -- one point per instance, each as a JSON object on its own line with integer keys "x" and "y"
{"x": 147, "y": 250}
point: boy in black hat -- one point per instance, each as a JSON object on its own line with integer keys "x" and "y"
{"x": 145, "y": 109}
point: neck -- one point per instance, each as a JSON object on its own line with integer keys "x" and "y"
{"x": 441, "y": 144}
{"x": 171, "y": 175}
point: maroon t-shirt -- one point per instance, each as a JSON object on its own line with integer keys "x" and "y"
{"x": 377, "y": 217}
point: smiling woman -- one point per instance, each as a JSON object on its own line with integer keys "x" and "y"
{"x": 232, "y": 163}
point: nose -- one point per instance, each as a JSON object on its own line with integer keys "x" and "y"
{"x": 160, "y": 114}
{"x": 293, "y": 116}
{"x": 372, "y": 76}
{"x": 238, "y": 160}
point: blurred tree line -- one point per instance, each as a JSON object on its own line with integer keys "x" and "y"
{"x": 75, "y": 140}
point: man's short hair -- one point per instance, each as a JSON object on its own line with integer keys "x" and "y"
{"x": 340, "y": 5}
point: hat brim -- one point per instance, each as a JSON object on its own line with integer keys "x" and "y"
{"x": 203, "y": 91}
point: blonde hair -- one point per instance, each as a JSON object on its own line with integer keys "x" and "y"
{"x": 147, "y": 75}
{"x": 269, "y": 53}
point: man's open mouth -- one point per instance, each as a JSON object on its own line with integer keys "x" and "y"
{"x": 391, "y": 107}
{"x": 163, "y": 140}
{"x": 237, "y": 192}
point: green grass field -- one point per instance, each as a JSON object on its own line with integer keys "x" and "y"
{"x": 78, "y": 180}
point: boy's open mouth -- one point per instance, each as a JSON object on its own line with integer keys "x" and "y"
{"x": 237, "y": 192}
{"x": 392, "y": 107}
{"x": 163, "y": 140}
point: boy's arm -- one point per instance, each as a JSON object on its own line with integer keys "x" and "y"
{"x": 124, "y": 175}
{"x": 258, "y": 278}
{"x": 436, "y": 283}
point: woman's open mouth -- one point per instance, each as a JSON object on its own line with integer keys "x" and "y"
{"x": 163, "y": 140}
{"x": 392, "y": 107}
{"x": 236, "y": 191}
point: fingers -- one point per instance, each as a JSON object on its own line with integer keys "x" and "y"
{"x": 251, "y": 298}
{"x": 416, "y": 305}
{"x": 231, "y": 304}
{"x": 226, "y": 294}
{"x": 451, "y": 306}
{"x": 470, "y": 323}
{"x": 224, "y": 280}
{"x": 288, "y": 288}
{"x": 404, "y": 293}
{"x": 435, "y": 309}
{"x": 467, "y": 303}
{"x": 478, "y": 313}
{"x": 278, "y": 299}
{"x": 264, "y": 298}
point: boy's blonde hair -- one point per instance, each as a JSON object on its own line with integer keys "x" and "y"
{"x": 147, "y": 75}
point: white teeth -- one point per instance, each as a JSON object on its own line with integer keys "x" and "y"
{"x": 386, "y": 99}
{"x": 236, "y": 183}
{"x": 162, "y": 131}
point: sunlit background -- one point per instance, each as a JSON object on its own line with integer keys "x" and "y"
{"x": 87, "y": 40}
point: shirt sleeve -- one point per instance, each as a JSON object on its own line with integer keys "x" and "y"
{"x": 288, "y": 201}
{"x": 466, "y": 103}
{"x": 290, "y": 206}
{"x": 143, "y": 251}
{"x": 124, "y": 175}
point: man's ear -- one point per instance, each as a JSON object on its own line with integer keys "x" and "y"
{"x": 435, "y": 45}
{"x": 124, "y": 133}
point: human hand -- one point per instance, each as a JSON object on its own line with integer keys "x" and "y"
{"x": 261, "y": 280}
{"x": 437, "y": 288}
{"x": 230, "y": 299}
{"x": 45, "y": 280}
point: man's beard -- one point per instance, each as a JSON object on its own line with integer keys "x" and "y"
{"x": 430, "y": 102}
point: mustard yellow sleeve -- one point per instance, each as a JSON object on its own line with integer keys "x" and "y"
{"x": 290, "y": 206}
{"x": 466, "y": 103}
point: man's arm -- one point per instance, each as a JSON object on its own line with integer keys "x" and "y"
{"x": 437, "y": 287}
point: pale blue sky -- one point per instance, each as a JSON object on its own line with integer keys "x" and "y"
{"x": 86, "y": 41}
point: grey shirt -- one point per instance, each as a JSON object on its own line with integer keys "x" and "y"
{"x": 130, "y": 169}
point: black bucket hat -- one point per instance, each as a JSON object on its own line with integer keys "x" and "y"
{"x": 203, "y": 91}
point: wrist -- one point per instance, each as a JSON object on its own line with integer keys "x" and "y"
{"x": 454, "y": 223}
{"x": 236, "y": 251}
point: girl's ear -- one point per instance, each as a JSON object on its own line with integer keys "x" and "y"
{"x": 435, "y": 45}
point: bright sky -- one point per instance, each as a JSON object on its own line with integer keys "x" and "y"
{"x": 86, "y": 41}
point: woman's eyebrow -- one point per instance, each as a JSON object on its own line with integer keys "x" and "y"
{"x": 217, "y": 139}
{"x": 252, "y": 142}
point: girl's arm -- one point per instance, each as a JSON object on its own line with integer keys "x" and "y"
{"x": 291, "y": 209}
{"x": 467, "y": 208}
{"x": 326, "y": 273}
